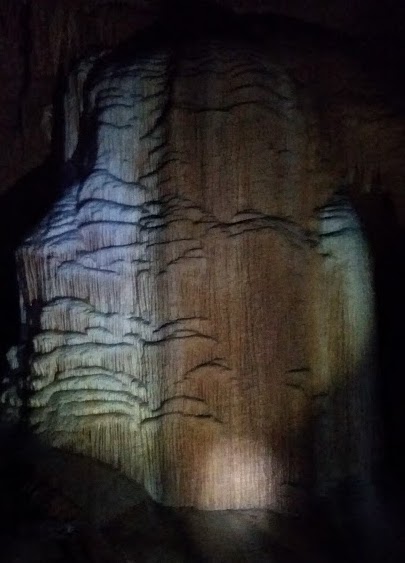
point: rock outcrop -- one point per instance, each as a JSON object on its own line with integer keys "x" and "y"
{"x": 199, "y": 300}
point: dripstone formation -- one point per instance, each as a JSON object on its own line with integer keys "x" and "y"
{"x": 198, "y": 301}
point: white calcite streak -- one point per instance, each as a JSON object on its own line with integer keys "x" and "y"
{"x": 345, "y": 349}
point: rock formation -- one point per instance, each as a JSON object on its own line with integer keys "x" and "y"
{"x": 198, "y": 302}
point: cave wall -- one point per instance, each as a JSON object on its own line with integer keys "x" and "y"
{"x": 351, "y": 133}
{"x": 40, "y": 40}
{"x": 199, "y": 301}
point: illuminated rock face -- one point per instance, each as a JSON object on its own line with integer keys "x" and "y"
{"x": 191, "y": 313}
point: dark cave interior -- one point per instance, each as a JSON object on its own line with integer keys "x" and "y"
{"x": 139, "y": 529}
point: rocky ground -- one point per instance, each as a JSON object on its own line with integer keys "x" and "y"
{"x": 65, "y": 508}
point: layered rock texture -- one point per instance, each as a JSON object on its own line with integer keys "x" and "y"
{"x": 199, "y": 301}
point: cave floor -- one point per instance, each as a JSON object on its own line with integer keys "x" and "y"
{"x": 186, "y": 536}
{"x": 59, "y": 507}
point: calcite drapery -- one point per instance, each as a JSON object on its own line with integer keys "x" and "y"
{"x": 189, "y": 320}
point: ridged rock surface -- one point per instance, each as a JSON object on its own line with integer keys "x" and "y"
{"x": 198, "y": 302}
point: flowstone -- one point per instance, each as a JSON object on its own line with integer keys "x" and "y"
{"x": 196, "y": 300}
